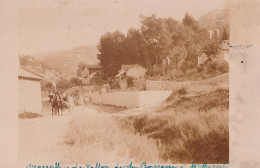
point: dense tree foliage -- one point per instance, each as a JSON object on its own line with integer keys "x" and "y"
{"x": 158, "y": 41}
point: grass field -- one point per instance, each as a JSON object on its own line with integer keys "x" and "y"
{"x": 100, "y": 139}
{"x": 187, "y": 128}
{"x": 190, "y": 129}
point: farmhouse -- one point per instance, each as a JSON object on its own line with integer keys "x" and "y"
{"x": 93, "y": 69}
{"x": 94, "y": 72}
{"x": 202, "y": 59}
{"x": 29, "y": 92}
{"x": 134, "y": 71}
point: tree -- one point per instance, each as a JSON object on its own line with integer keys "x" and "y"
{"x": 212, "y": 49}
{"x": 157, "y": 38}
{"x": 188, "y": 20}
{"x": 178, "y": 56}
{"x": 112, "y": 51}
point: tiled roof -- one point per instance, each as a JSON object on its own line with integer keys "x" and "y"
{"x": 24, "y": 73}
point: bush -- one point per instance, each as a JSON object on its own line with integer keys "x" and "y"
{"x": 46, "y": 85}
{"x": 64, "y": 84}
{"x": 223, "y": 67}
{"x": 102, "y": 139}
{"x": 190, "y": 129}
{"x": 140, "y": 84}
{"x": 211, "y": 67}
{"x": 182, "y": 91}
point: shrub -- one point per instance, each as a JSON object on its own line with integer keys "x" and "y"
{"x": 191, "y": 129}
{"x": 223, "y": 67}
{"x": 63, "y": 84}
{"x": 140, "y": 84}
{"x": 182, "y": 91}
{"x": 211, "y": 67}
{"x": 95, "y": 139}
{"x": 46, "y": 85}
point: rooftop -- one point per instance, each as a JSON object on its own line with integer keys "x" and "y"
{"x": 26, "y": 74}
{"x": 93, "y": 66}
{"x": 127, "y": 67}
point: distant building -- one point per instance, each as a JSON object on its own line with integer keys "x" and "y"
{"x": 202, "y": 59}
{"x": 134, "y": 71}
{"x": 95, "y": 72}
{"x": 211, "y": 32}
{"x": 29, "y": 92}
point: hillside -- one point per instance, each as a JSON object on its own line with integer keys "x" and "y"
{"x": 215, "y": 19}
{"x": 67, "y": 61}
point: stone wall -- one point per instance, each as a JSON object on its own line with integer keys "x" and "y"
{"x": 131, "y": 99}
{"x": 221, "y": 81}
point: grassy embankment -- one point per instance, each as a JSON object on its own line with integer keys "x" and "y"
{"x": 188, "y": 128}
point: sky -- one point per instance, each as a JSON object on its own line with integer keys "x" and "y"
{"x": 54, "y": 25}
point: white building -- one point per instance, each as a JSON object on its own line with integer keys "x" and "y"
{"x": 202, "y": 59}
{"x": 211, "y": 32}
{"x": 29, "y": 92}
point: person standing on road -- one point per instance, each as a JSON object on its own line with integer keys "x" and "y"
{"x": 71, "y": 103}
{"x": 81, "y": 102}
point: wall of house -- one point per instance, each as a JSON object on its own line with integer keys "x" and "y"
{"x": 202, "y": 59}
{"x": 152, "y": 98}
{"x": 29, "y": 96}
{"x": 136, "y": 72}
{"x": 131, "y": 99}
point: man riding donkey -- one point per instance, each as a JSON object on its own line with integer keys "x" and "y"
{"x": 56, "y": 100}
{"x": 60, "y": 101}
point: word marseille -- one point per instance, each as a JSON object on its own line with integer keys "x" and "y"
{"x": 142, "y": 165}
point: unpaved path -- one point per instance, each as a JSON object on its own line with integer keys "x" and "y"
{"x": 42, "y": 140}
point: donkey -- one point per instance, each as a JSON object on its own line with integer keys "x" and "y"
{"x": 56, "y": 104}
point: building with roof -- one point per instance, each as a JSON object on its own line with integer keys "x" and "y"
{"x": 134, "y": 71}
{"x": 29, "y": 92}
{"x": 202, "y": 59}
{"x": 95, "y": 72}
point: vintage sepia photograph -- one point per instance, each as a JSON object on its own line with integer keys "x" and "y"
{"x": 121, "y": 81}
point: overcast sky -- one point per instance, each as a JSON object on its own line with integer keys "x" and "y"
{"x": 53, "y": 25}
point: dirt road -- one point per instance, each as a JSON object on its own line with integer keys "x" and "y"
{"x": 42, "y": 140}
{"x": 45, "y": 140}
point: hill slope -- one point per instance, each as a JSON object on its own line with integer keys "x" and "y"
{"x": 215, "y": 19}
{"x": 67, "y": 61}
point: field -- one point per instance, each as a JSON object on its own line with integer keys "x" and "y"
{"x": 187, "y": 128}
